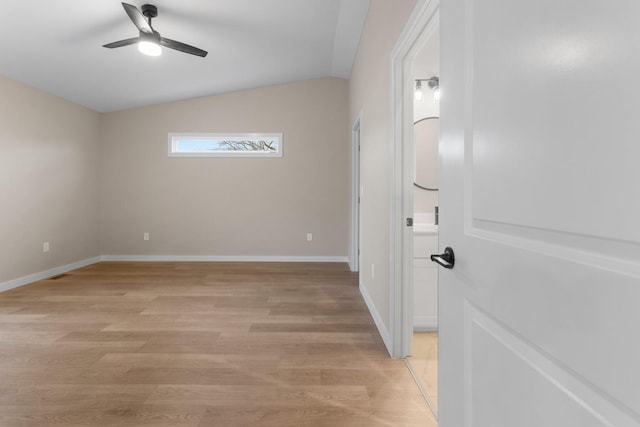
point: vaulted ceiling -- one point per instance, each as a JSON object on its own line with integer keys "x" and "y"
{"x": 56, "y": 46}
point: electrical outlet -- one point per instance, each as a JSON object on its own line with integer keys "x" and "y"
{"x": 146, "y": 236}
{"x": 45, "y": 247}
{"x": 309, "y": 237}
{"x": 373, "y": 271}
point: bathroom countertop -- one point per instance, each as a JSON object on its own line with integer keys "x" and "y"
{"x": 422, "y": 229}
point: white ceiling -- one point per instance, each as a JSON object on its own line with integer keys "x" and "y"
{"x": 56, "y": 46}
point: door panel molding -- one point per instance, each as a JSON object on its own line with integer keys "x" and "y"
{"x": 612, "y": 255}
{"x": 592, "y": 248}
{"x": 555, "y": 384}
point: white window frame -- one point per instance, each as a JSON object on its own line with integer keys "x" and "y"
{"x": 174, "y": 137}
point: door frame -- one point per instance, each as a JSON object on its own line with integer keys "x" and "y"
{"x": 354, "y": 256}
{"x": 420, "y": 26}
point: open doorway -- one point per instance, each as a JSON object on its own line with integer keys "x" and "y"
{"x": 421, "y": 35}
{"x": 423, "y": 358}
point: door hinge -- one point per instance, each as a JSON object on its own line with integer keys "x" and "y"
{"x": 409, "y": 222}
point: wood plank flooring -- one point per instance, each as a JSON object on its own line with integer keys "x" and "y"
{"x": 199, "y": 344}
{"x": 424, "y": 363}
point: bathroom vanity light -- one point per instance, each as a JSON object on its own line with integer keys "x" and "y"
{"x": 419, "y": 94}
{"x": 434, "y": 85}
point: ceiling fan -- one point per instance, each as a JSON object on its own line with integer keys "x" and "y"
{"x": 149, "y": 41}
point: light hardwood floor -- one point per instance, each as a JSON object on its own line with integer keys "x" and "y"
{"x": 199, "y": 344}
{"x": 424, "y": 362}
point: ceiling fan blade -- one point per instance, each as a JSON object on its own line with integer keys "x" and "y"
{"x": 182, "y": 47}
{"x": 138, "y": 19}
{"x": 122, "y": 43}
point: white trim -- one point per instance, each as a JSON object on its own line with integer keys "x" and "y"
{"x": 25, "y": 280}
{"x": 382, "y": 329}
{"x": 425, "y": 323}
{"x": 223, "y": 258}
{"x": 400, "y": 288}
{"x": 356, "y": 137}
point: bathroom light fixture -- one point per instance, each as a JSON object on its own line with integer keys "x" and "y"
{"x": 419, "y": 94}
{"x": 434, "y": 85}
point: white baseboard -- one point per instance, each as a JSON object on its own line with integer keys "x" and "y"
{"x": 223, "y": 258}
{"x": 25, "y": 280}
{"x": 382, "y": 329}
{"x": 425, "y": 323}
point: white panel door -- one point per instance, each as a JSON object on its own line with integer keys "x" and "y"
{"x": 540, "y": 200}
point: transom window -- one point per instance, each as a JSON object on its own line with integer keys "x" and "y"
{"x": 225, "y": 144}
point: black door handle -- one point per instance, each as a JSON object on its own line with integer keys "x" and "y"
{"x": 447, "y": 259}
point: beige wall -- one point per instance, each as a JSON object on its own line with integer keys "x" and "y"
{"x": 49, "y": 181}
{"x": 369, "y": 93}
{"x": 230, "y": 206}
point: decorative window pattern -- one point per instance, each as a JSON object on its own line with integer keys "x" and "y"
{"x": 225, "y": 144}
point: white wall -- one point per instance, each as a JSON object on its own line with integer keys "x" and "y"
{"x": 49, "y": 181}
{"x": 369, "y": 94}
{"x": 230, "y": 206}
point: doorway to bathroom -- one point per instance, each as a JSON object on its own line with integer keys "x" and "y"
{"x": 422, "y": 357}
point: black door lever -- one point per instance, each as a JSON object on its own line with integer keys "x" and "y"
{"x": 447, "y": 259}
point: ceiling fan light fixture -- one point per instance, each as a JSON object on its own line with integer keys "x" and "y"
{"x": 150, "y": 41}
{"x": 149, "y": 48}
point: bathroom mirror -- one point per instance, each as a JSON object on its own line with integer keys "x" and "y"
{"x": 425, "y": 138}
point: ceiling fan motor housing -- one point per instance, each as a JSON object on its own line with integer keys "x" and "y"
{"x": 149, "y": 10}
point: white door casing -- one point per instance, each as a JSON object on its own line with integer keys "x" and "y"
{"x": 539, "y": 200}
{"x": 354, "y": 256}
{"x": 422, "y": 24}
